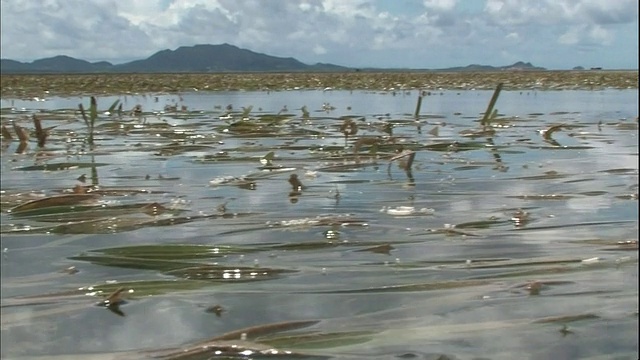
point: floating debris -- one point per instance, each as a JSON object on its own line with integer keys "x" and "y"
{"x": 114, "y": 300}
{"x": 534, "y": 288}
{"x": 70, "y": 270}
{"x": 407, "y": 210}
{"x": 295, "y": 183}
{"x": 565, "y": 330}
{"x": 321, "y": 220}
{"x": 520, "y": 217}
{"x": 591, "y": 261}
{"x": 380, "y": 249}
{"x": 215, "y": 309}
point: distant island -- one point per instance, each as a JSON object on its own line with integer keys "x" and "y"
{"x": 208, "y": 59}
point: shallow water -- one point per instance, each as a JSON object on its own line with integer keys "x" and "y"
{"x": 495, "y": 243}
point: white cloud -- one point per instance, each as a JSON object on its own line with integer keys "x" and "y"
{"x": 600, "y": 35}
{"x": 591, "y": 35}
{"x": 571, "y": 36}
{"x": 440, "y": 4}
{"x": 319, "y": 49}
{"x": 305, "y": 7}
{"x": 512, "y": 37}
{"x": 560, "y": 12}
{"x": 603, "y": 12}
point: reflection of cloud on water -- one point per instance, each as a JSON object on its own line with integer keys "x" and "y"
{"x": 461, "y": 206}
{"x": 152, "y": 324}
{"x": 590, "y": 204}
{"x": 163, "y": 325}
{"x": 497, "y": 319}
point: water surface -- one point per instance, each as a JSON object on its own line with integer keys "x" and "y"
{"x": 497, "y": 241}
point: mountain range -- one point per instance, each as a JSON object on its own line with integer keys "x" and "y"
{"x": 201, "y": 59}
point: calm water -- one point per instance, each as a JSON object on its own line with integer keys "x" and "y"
{"x": 496, "y": 244}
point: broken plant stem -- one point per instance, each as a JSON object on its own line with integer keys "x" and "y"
{"x": 406, "y": 166}
{"x": 23, "y": 134}
{"x": 489, "y": 113}
{"x": 6, "y": 135}
{"x": 41, "y": 134}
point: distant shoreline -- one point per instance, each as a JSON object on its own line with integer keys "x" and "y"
{"x": 348, "y": 71}
{"x": 102, "y": 84}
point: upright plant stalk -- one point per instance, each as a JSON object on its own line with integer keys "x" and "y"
{"x": 348, "y": 128}
{"x": 113, "y": 106}
{"x": 305, "y": 112}
{"x": 418, "y": 105}
{"x": 91, "y": 120}
{"x": 41, "y": 134}
{"x": 94, "y": 171}
{"x": 488, "y": 115}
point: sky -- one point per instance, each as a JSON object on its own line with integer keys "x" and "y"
{"x": 421, "y": 34}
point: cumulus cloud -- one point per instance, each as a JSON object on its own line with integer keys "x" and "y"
{"x": 318, "y": 49}
{"x": 433, "y": 33}
{"x": 603, "y": 12}
{"x": 563, "y": 11}
{"x": 93, "y": 29}
{"x": 591, "y": 35}
{"x": 440, "y": 5}
{"x": 571, "y": 36}
{"x": 600, "y": 35}
{"x": 513, "y": 36}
